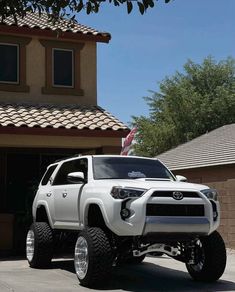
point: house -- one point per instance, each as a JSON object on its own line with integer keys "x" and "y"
{"x": 48, "y": 110}
{"x": 210, "y": 160}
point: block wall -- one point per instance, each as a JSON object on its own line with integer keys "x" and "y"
{"x": 221, "y": 178}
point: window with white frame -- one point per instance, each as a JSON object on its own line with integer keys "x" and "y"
{"x": 63, "y": 68}
{"x": 9, "y": 63}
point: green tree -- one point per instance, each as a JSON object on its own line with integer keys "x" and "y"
{"x": 57, "y": 9}
{"x": 188, "y": 104}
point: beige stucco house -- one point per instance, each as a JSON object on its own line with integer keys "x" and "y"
{"x": 48, "y": 110}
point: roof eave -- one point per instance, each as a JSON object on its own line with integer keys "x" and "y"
{"x": 201, "y": 166}
{"x": 121, "y": 133}
{"x": 13, "y": 29}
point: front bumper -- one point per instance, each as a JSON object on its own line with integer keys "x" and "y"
{"x": 142, "y": 223}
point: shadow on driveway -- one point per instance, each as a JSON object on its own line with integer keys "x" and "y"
{"x": 151, "y": 277}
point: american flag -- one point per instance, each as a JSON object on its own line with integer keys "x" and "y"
{"x": 128, "y": 142}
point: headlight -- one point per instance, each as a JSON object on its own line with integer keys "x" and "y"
{"x": 124, "y": 193}
{"x": 211, "y": 194}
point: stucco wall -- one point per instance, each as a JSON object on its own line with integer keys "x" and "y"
{"x": 35, "y": 75}
{"x": 221, "y": 178}
{"x": 33, "y": 141}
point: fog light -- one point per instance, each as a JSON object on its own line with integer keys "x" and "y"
{"x": 215, "y": 215}
{"x": 214, "y": 209}
{"x": 125, "y": 213}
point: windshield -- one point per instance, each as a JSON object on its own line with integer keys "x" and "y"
{"x": 129, "y": 168}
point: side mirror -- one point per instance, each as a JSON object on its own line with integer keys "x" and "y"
{"x": 181, "y": 178}
{"x": 76, "y": 177}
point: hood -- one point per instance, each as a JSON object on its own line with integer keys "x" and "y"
{"x": 152, "y": 183}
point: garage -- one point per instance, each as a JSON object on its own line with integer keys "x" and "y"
{"x": 26, "y": 151}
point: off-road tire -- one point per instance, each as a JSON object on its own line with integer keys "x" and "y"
{"x": 43, "y": 245}
{"x": 214, "y": 262}
{"x": 99, "y": 254}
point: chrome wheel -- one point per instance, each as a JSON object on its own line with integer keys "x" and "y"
{"x": 81, "y": 259}
{"x": 30, "y": 245}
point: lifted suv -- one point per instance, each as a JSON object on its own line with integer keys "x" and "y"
{"x": 120, "y": 209}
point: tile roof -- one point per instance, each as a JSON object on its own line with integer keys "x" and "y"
{"x": 214, "y": 148}
{"x": 33, "y": 20}
{"x": 58, "y": 116}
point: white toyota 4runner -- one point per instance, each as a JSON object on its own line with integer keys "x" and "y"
{"x": 120, "y": 209}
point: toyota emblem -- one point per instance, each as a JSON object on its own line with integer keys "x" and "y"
{"x": 177, "y": 195}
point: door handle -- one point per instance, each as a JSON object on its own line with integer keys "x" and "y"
{"x": 64, "y": 195}
{"x": 49, "y": 194}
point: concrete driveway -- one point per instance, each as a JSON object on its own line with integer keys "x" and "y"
{"x": 154, "y": 274}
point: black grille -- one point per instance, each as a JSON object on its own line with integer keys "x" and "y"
{"x": 174, "y": 210}
{"x": 166, "y": 194}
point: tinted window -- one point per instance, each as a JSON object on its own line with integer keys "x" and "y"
{"x": 70, "y": 166}
{"x": 128, "y": 168}
{"x": 9, "y": 63}
{"x": 63, "y": 67}
{"x": 48, "y": 174}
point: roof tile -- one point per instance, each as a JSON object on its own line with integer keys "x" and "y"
{"x": 60, "y": 116}
{"x": 33, "y": 20}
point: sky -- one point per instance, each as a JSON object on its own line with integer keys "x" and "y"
{"x": 144, "y": 49}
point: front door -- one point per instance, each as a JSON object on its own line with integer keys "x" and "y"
{"x": 66, "y": 196}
